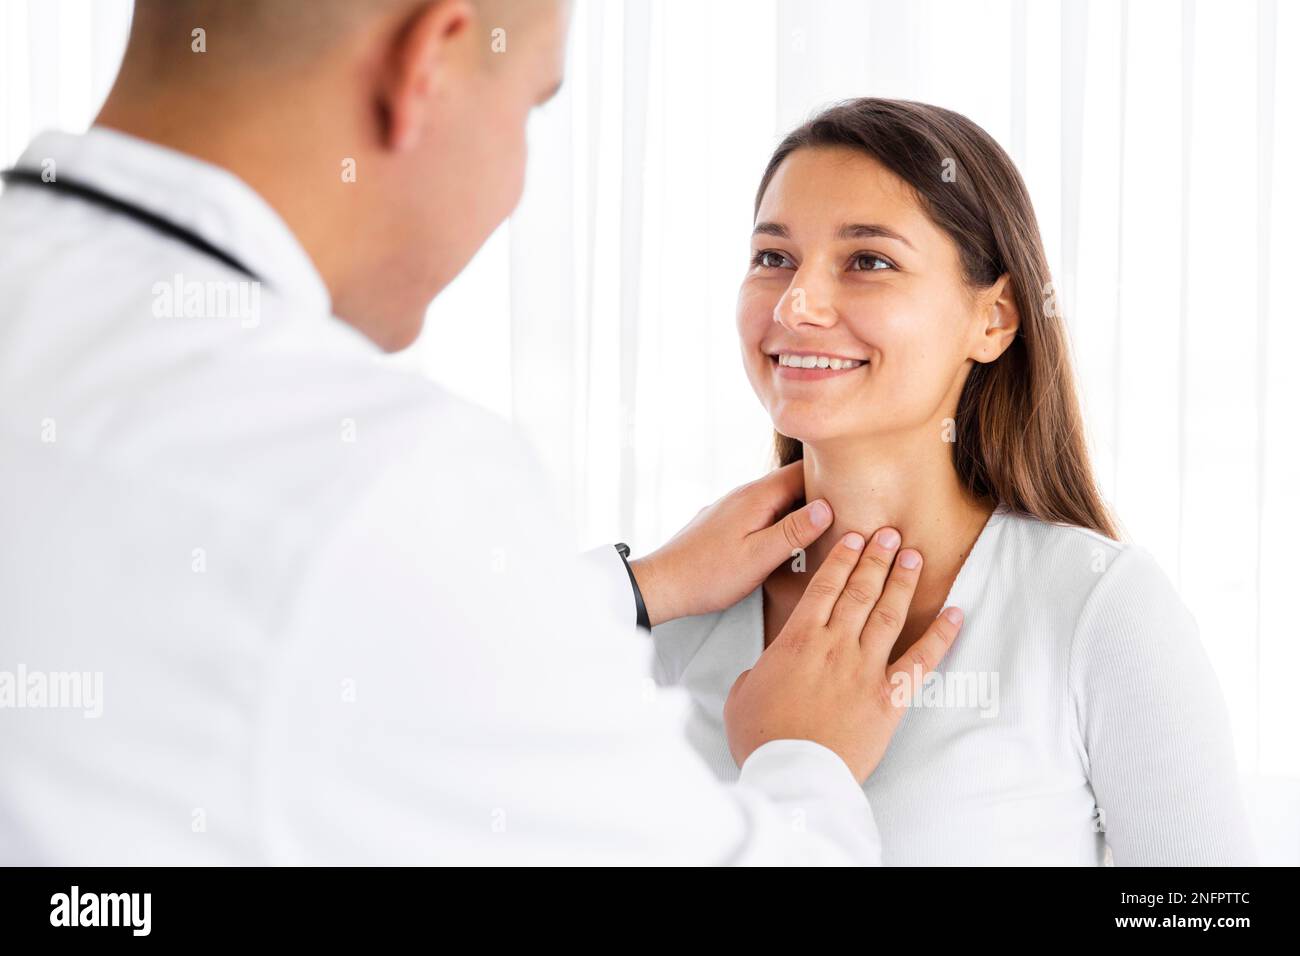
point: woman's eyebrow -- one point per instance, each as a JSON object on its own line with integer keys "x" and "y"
{"x": 852, "y": 230}
{"x": 865, "y": 230}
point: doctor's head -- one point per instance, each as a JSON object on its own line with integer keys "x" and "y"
{"x": 390, "y": 134}
{"x": 898, "y": 299}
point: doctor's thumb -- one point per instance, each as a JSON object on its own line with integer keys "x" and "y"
{"x": 794, "y": 532}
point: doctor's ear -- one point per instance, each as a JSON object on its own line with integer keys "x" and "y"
{"x": 425, "y": 54}
{"x": 999, "y": 320}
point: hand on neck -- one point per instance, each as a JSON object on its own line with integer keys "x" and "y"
{"x": 905, "y": 481}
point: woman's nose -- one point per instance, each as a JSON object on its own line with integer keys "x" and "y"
{"x": 807, "y": 302}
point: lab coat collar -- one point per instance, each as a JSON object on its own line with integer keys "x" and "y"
{"x": 196, "y": 195}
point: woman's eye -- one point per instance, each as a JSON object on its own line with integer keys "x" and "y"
{"x": 874, "y": 263}
{"x": 769, "y": 259}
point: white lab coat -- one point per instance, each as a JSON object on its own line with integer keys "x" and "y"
{"x": 333, "y": 613}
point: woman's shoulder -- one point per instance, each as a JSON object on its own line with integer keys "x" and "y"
{"x": 677, "y": 642}
{"x": 1123, "y": 600}
{"x": 1111, "y": 588}
{"x": 1128, "y": 635}
{"x": 1050, "y": 545}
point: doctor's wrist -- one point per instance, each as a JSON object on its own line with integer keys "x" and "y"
{"x": 654, "y": 589}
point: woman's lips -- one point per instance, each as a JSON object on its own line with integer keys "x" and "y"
{"x": 793, "y": 373}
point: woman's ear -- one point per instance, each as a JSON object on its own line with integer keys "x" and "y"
{"x": 999, "y": 318}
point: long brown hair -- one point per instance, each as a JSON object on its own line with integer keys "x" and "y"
{"x": 1019, "y": 436}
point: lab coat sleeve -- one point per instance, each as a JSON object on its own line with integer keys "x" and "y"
{"x": 453, "y": 688}
{"x": 607, "y": 565}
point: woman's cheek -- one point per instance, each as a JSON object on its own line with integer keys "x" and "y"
{"x": 750, "y": 335}
{"x": 751, "y": 321}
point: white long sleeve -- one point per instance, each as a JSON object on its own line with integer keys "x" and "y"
{"x": 1155, "y": 729}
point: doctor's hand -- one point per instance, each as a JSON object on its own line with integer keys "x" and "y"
{"x": 827, "y": 676}
{"x": 730, "y": 547}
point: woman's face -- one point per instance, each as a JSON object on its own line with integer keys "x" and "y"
{"x": 846, "y": 266}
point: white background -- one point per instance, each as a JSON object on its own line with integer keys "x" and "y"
{"x": 1158, "y": 139}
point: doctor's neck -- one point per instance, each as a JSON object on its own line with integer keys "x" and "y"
{"x": 902, "y": 480}
{"x": 387, "y": 134}
{"x": 283, "y": 137}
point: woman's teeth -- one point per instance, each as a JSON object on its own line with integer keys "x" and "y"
{"x": 816, "y": 361}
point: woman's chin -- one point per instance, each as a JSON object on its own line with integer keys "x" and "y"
{"x": 808, "y": 432}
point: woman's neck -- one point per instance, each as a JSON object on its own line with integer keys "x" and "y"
{"x": 903, "y": 482}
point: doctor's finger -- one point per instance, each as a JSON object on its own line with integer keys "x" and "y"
{"x": 863, "y": 590}
{"x": 922, "y": 657}
{"x": 886, "y": 620}
{"x": 819, "y": 597}
{"x": 791, "y": 534}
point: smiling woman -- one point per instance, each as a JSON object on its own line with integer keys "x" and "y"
{"x": 897, "y": 324}
{"x": 1017, "y": 429}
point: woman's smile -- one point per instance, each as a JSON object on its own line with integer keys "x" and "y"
{"x": 813, "y": 366}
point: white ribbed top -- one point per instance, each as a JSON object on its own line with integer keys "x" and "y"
{"x": 1086, "y": 689}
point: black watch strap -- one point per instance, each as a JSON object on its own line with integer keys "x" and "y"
{"x": 642, "y": 615}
